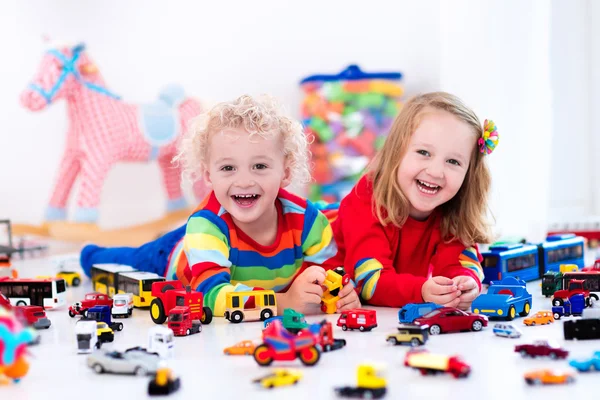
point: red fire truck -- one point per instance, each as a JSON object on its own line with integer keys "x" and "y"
{"x": 170, "y": 294}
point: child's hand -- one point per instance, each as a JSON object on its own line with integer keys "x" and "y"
{"x": 441, "y": 290}
{"x": 469, "y": 291}
{"x": 348, "y": 298}
{"x": 305, "y": 293}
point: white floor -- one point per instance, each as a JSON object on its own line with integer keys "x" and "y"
{"x": 57, "y": 372}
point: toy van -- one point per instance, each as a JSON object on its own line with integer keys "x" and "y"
{"x": 412, "y": 311}
{"x": 358, "y": 318}
{"x": 122, "y": 305}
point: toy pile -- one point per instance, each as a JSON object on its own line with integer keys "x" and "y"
{"x": 349, "y": 116}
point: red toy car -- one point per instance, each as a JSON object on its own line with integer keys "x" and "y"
{"x": 541, "y": 348}
{"x": 281, "y": 345}
{"x": 358, "y": 318}
{"x": 34, "y": 316}
{"x": 449, "y": 319}
{"x": 90, "y": 300}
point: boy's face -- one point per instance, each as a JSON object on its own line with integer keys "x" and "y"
{"x": 246, "y": 173}
{"x": 436, "y": 162}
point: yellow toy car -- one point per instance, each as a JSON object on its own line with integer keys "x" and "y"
{"x": 546, "y": 376}
{"x": 540, "y": 318}
{"x": 245, "y": 347}
{"x": 71, "y": 278}
{"x": 280, "y": 377}
{"x": 104, "y": 333}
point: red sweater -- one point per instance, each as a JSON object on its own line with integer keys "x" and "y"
{"x": 390, "y": 264}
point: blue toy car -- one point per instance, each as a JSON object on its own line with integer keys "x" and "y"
{"x": 412, "y": 311}
{"x": 573, "y": 306}
{"x": 507, "y": 330}
{"x": 587, "y": 364}
{"x": 504, "y": 299}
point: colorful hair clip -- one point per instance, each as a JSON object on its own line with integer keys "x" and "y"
{"x": 489, "y": 139}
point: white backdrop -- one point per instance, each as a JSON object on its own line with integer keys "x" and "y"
{"x": 527, "y": 65}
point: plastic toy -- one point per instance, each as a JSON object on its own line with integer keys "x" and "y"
{"x": 541, "y": 348}
{"x": 431, "y": 364}
{"x": 160, "y": 341}
{"x": 335, "y": 279}
{"x": 71, "y": 278}
{"x": 13, "y": 347}
{"x": 245, "y": 347}
{"x": 323, "y": 333}
{"x": 250, "y": 306}
{"x": 551, "y": 282}
{"x": 587, "y": 364}
{"x": 412, "y": 311}
{"x": 122, "y": 305}
{"x": 47, "y": 292}
{"x": 547, "y": 376}
{"x": 595, "y": 267}
{"x": 349, "y": 114}
{"x": 568, "y": 268}
{"x": 87, "y": 336}
{"x": 413, "y": 335}
{"x": 102, "y": 314}
{"x": 281, "y": 345}
{"x": 575, "y": 286}
{"x": 120, "y": 131}
{"x": 539, "y": 318}
{"x": 136, "y": 362}
{"x": 90, "y": 300}
{"x": 555, "y": 281}
{"x": 164, "y": 382}
{"x": 504, "y": 299}
{"x": 358, "y": 318}
{"x": 169, "y": 294}
{"x": 104, "y": 332}
{"x": 449, "y": 319}
{"x": 573, "y": 306}
{"x": 587, "y": 327}
{"x": 370, "y": 384}
{"x": 507, "y": 330}
{"x": 181, "y": 322}
{"x": 280, "y": 377}
{"x": 33, "y": 316}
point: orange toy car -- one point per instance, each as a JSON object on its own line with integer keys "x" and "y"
{"x": 245, "y": 347}
{"x": 546, "y": 377}
{"x": 540, "y": 318}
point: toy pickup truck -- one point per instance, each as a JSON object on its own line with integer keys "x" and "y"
{"x": 428, "y": 363}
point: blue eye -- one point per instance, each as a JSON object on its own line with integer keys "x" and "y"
{"x": 453, "y": 162}
{"x": 423, "y": 152}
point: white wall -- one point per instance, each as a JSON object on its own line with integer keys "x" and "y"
{"x": 217, "y": 50}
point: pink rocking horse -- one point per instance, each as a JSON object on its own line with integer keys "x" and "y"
{"x": 103, "y": 130}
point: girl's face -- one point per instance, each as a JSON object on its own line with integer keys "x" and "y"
{"x": 436, "y": 161}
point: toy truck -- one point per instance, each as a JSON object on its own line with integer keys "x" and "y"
{"x": 358, "y": 318}
{"x": 90, "y": 300}
{"x": 169, "y": 294}
{"x": 551, "y": 282}
{"x": 334, "y": 281}
{"x": 87, "y": 337}
{"x": 160, "y": 341}
{"x": 587, "y": 327}
{"x": 370, "y": 384}
{"x": 323, "y": 333}
{"x": 181, "y": 322}
{"x": 34, "y": 316}
{"x": 102, "y": 314}
{"x": 409, "y": 334}
{"x": 573, "y": 306}
{"x": 575, "y": 287}
{"x": 595, "y": 267}
{"x": 430, "y": 364}
{"x": 122, "y": 305}
{"x": 291, "y": 319}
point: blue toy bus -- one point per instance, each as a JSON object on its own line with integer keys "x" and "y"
{"x": 530, "y": 261}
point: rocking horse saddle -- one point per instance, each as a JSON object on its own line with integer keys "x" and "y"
{"x": 159, "y": 121}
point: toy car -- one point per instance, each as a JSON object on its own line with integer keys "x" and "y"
{"x": 430, "y": 364}
{"x": 587, "y": 364}
{"x": 587, "y": 327}
{"x": 541, "y": 348}
{"x": 507, "y": 330}
{"x": 245, "y": 347}
{"x": 414, "y": 335}
{"x": 370, "y": 384}
{"x": 131, "y": 362}
{"x": 280, "y": 377}
{"x": 546, "y": 376}
{"x": 504, "y": 299}
{"x": 163, "y": 383}
{"x": 122, "y": 305}
{"x": 71, "y": 278}
{"x": 104, "y": 332}
{"x": 412, "y": 311}
{"x": 449, "y": 319}
{"x": 90, "y": 300}
{"x": 540, "y": 318}
{"x": 358, "y": 318}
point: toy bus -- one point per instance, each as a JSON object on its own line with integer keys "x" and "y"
{"x": 250, "y": 306}
{"x": 105, "y": 277}
{"x": 48, "y": 292}
{"x": 138, "y": 283}
{"x": 530, "y": 261}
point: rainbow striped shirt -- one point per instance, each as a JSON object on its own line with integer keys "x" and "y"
{"x": 215, "y": 257}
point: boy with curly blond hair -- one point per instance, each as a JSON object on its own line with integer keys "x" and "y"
{"x": 249, "y": 233}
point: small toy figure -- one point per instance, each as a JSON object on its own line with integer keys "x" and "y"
{"x": 245, "y": 347}
{"x": 280, "y": 377}
{"x": 14, "y": 339}
{"x": 413, "y": 335}
{"x": 358, "y": 318}
{"x": 546, "y": 376}
{"x": 507, "y": 330}
{"x": 541, "y": 348}
{"x": 428, "y": 363}
{"x": 540, "y": 318}
{"x": 370, "y": 384}
{"x": 87, "y": 337}
{"x": 163, "y": 383}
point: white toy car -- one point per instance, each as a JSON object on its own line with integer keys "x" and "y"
{"x": 507, "y": 330}
{"x": 135, "y": 361}
{"x": 122, "y": 305}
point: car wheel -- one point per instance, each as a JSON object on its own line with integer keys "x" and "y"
{"x": 237, "y": 317}
{"x": 415, "y": 342}
{"x": 141, "y": 371}
{"x": 553, "y": 356}
{"x": 98, "y": 368}
{"x": 512, "y": 313}
{"x": 557, "y": 302}
{"x": 187, "y": 332}
{"x": 344, "y": 328}
{"x": 526, "y": 309}
{"x": 570, "y": 379}
{"x": 393, "y": 341}
{"x": 537, "y": 381}
{"x": 477, "y": 325}
{"x": 523, "y": 353}
{"x": 76, "y": 282}
{"x": 361, "y": 328}
{"x": 435, "y": 330}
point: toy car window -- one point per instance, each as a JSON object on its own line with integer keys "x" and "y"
{"x": 90, "y": 297}
{"x": 431, "y": 314}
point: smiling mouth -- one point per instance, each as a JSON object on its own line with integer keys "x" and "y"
{"x": 245, "y": 200}
{"x": 427, "y": 188}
